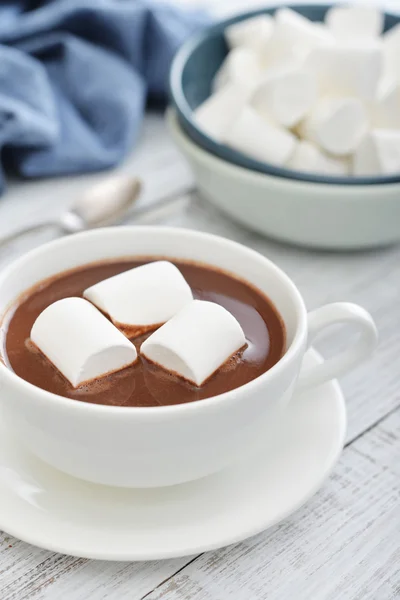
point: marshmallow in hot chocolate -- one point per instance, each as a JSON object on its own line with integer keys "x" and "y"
{"x": 145, "y": 384}
{"x": 141, "y": 299}
{"x": 196, "y": 342}
{"x": 81, "y": 342}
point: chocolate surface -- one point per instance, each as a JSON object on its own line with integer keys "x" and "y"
{"x": 145, "y": 384}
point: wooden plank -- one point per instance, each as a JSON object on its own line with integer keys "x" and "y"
{"x": 29, "y": 573}
{"x": 344, "y": 544}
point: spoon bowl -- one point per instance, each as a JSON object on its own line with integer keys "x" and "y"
{"x": 103, "y": 204}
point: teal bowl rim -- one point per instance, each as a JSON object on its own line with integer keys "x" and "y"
{"x": 185, "y": 113}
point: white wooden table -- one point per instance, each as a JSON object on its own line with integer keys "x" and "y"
{"x": 345, "y": 543}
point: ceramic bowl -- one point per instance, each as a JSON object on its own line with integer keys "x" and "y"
{"x": 300, "y": 212}
{"x": 191, "y": 76}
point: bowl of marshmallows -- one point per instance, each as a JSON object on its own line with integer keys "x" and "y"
{"x": 290, "y": 118}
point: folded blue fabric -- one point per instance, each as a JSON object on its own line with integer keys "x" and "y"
{"x": 75, "y": 76}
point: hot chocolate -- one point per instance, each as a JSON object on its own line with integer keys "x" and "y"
{"x": 143, "y": 383}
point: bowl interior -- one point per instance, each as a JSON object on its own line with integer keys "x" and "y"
{"x": 193, "y": 70}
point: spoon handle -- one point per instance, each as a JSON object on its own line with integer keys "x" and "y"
{"x": 137, "y": 212}
{"x": 25, "y": 230}
{"x": 158, "y": 204}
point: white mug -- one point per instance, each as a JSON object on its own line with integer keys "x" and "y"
{"x": 160, "y": 446}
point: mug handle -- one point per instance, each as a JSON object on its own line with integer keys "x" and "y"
{"x": 333, "y": 314}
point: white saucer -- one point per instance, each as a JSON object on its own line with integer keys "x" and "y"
{"x": 54, "y": 511}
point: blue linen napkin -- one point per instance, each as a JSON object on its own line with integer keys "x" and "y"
{"x": 75, "y": 76}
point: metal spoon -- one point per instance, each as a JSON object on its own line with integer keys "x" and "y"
{"x": 105, "y": 203}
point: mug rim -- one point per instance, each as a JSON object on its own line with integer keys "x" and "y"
{"x": 65, "y": 403}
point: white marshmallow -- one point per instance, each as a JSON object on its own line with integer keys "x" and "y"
{"x": 216, "y": 115}
{"x": 253, "y": 33}
{"x": 378, "y": 153}
{"x": 354, "y": 23}
{"x": 241, "y": 67}
{"x": 386, "y": 112}
{"x": 142, "y": 298}
{"x": 294, "y": 37}
{"x": 308, "y": 157}
{"x": 337, "y": 125}
{"x": 256, "y": 137}
{"x": 196, "y": 342}
{"x": 286, "y": 95}
{"x": 391, "y": 54}
{"x": 80, "y": 342}
{"x": 344, "y": 70}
